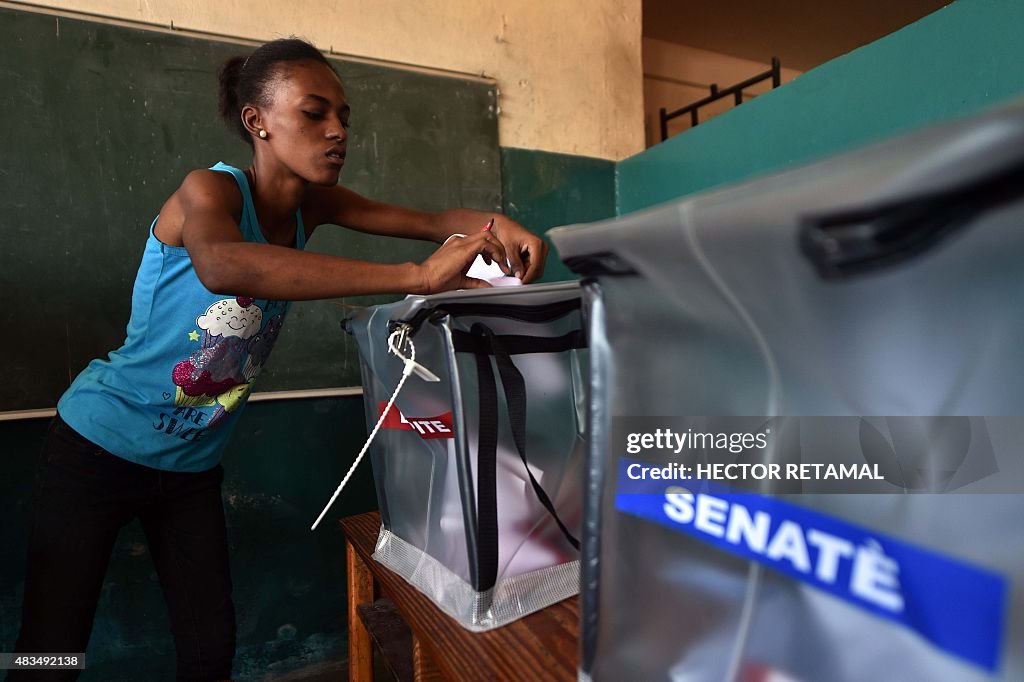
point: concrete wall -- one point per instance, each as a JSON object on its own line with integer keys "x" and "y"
{"x": 568, "y": 70}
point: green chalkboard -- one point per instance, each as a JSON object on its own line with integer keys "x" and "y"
{"x": 101, "y": 122}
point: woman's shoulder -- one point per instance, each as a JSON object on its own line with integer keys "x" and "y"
{"x": 202, "y": 191}
{"x": 210, "y": 188}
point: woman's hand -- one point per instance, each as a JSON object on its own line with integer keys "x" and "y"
{"x": 526, "y": 251}
{"x": 446, "y": 268}
{"x": 340, "y": 206}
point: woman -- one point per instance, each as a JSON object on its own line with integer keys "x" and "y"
{"x": 141, "y": 434}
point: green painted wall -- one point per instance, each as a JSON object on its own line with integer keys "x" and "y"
{"x": 543, "y": 190}
{"x": 962, "y": 58}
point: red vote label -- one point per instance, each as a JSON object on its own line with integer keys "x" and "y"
{"x": 427, "y": 427}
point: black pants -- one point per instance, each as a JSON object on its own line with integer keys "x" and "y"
{"x": 82, "y": 497}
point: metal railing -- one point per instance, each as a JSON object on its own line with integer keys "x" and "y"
{"x": 736, "y": 91}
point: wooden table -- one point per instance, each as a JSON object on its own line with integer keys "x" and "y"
{"x": 541, "y": 646}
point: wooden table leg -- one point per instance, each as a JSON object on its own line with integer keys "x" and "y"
{"x": 423, "y": 667}
{"x": 360, "y": 591}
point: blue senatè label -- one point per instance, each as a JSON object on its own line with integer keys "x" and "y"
{"x": 958, "y": 607}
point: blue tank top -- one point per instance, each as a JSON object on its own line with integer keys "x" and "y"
{"x": 171, "y": 395}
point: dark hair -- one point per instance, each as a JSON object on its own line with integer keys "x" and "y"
{"x": 247, "y": 80}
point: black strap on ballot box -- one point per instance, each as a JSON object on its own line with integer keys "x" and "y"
{"x": 485, "y": 344}
{"x": 851, "y": 241}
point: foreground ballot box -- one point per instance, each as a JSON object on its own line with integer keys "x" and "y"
{"x": 865, "y": 312}
{"x": 479, "y": 475}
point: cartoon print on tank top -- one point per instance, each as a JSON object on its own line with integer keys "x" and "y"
{"x": 233, "y": 347}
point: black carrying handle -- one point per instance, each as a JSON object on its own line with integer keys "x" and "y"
{"x": 514, "y": 387}
{"x": 524, "y": 313}
{"x": 849, "y": 242}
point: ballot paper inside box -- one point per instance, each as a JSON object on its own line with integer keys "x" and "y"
{"x": 488, "y": 537}
{"x": 879, "y": 289}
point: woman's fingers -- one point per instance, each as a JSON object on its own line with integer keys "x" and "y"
{"x": 515, "y": 263}
{"x": 446, "y": 268}
{"x": 490, "y": 248}
{"x": 484, "y": 244}
{"x": 536, "y": 256}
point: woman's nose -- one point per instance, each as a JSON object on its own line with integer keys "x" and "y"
{"x": 337, "y": 131}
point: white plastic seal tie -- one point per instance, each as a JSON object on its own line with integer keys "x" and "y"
{"x": 410, "y": 362}
{"x": 398, "y": 338}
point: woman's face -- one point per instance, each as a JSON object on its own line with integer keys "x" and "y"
{"x": 307, "y": 122}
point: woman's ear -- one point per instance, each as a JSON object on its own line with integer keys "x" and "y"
{"x": 253, "y": 121}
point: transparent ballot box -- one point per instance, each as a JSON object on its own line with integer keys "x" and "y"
{"x": 479, "y": 473}
{"x": 805, "y": 443}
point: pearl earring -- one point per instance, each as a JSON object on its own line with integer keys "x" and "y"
{"x": 263, "y": 134}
